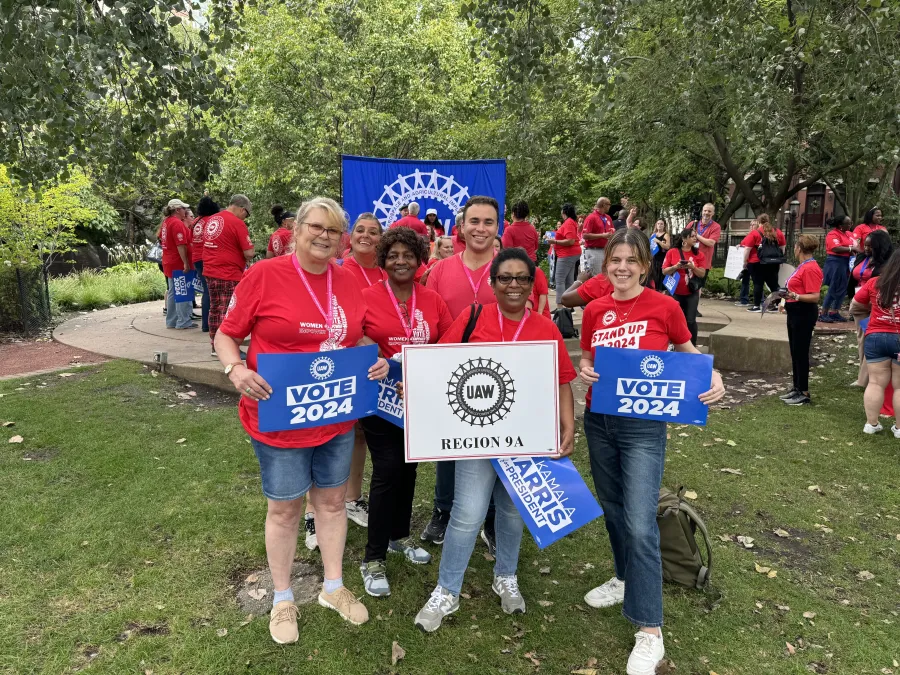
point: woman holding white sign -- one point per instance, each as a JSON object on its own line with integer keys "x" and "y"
{"x": 299, "y": 303}
{"x": 628, "y": 454}
{"x": 398, "y": 312}
{"x": 511, "y": 277}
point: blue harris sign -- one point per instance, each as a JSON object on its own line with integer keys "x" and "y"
{"x": 671, "y": 282}
{"x": 382, "y": 186}
{"x": 550, "y": 494}
{"x": 317, "y": 388}
{"x": 651, "y": 385}
{"x": 184, "y": 286}
{"x": 654, "y": 245}
{"x": 390, "y": 406}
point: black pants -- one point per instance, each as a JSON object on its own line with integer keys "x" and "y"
{"x": 763, "y": 274}
{"x": 801, "y": 320}
{"x": 392, "y": 488}
{"x": 689, "y": 308}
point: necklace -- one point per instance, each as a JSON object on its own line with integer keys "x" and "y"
{"x": 624, "y": 317}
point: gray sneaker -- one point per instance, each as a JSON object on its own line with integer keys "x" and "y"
{"x": 413, "y": 553}
{"x": 511, "y": 599}
{"x": 358, "y": 512}
{"x": 374, "y": 578}
{"x": 441, "y": 603}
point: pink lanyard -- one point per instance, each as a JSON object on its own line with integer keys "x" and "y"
{"x": 363, "y": 269}
{"x": 518, "y": 330}
{"x": 407, "y": 327}
{"x": 328, "y": 316}
{"x": 469, "y": 276}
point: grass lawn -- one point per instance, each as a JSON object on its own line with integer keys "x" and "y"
{"x": 121, "y": 549}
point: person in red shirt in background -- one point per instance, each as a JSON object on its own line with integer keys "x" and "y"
{"x": 520, "y": 233}
{"x": 804, "y": 287}
{"x": 568, "y": 251}
{"x": 628, "y": 454}
{"x": 708, "y": 233}
{"x": 838, "y": 244}
{"x": 227, "y": 250}
{"x": 871, "y": 223}
{"x": 207, "y": 207}
{"x": 435, "y": 227}
{"x": 398, "y": 312}
{"x": 459, "y": 239}
{"x": 598, "y": 228}
{"x": 540, "y": 294}
{"x": 176, "y": 244}
{"x": 878, "y": 250}
{"x": 412, "y": 221}
{"x": 281, "y": 239}
{"x": 682, "y": 259}
{"x": 762, "y": 272}
{"x": 586, "y": 288}
{"x": 443, "y": 248}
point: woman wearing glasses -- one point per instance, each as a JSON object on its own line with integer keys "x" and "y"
{"x": 511, "y": 277}
{"x": 299, "y": 303}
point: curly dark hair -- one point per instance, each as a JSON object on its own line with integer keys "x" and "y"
{"x": 405, "y": 236}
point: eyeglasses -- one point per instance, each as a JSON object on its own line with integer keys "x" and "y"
{"x": 506, "y": 280}
{"x": 317, "y": 230}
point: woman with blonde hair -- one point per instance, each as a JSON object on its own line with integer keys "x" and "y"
{"x": 443, "y": 248}
{"x": 763, "y": 256}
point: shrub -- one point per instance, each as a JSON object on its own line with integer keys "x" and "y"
{"x": 132, "y": 267}
{"x": 120, "y": 285}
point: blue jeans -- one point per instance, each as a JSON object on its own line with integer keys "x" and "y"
{"x": 880, "y": 347}
{"x": 178, "y": 314}
{"x": 627, "y": 461}
{"x": 204, "y": 305}
{"x": 476, "y": 481}
{"x": 836, "y": 273}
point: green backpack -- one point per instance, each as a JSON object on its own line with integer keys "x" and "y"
{"x": 678, "y": 523}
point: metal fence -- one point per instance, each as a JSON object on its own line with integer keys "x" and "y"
{"x": 721, "y": 253}
{"x": 24, "y": 300}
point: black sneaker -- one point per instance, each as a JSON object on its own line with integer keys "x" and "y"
{"x": 435, "y": 530}
{"x": 755, "y": 308}
{"x": 799, "y": 399}
{"x": 789, "y": 394}
{"x": 489, "y": 537}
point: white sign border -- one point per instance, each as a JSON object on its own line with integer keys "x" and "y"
{"x": 477, "y": 345}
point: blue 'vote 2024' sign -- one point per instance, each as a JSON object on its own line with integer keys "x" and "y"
{"x": 317, "y": 388}
{"x": 651, "y": 385}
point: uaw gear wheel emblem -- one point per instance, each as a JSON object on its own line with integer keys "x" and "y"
{"x": 652, "y": 366}
{"x": 481, "y": 392}
{"x": 321, "y": 368}
{"x": 418, "y": 185}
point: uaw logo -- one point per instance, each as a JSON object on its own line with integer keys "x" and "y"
{"x": 652, "y": 366}
{"x": 609, "y": 317}
{"x": 321, "y": 368}
{"x": 481, "y": 392}
{"x": 538, "y": 491}
{"x": 418, "y": 186}
{"x": 214, "y": 226}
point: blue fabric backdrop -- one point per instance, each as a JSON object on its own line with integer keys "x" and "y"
{"x": 382, "y": 186}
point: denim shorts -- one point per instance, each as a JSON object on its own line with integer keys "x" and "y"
{"x": 289, "y": 473}
{"x": 880, "y": 347}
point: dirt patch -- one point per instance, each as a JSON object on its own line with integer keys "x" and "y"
{"x": 134, "y": 629}
{"x": 742, "y": 388}
{"x": 23, "y": 356}
{"x": 203, "y": 395}
{"x": 254, "y": 592}
{"x": 42, "y": 455}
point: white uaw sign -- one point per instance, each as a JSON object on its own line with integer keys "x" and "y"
{"x": 484, "y": 400}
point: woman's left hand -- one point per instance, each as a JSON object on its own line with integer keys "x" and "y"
{"x": 717, "y": 390}
{"x": 380, "y": 370}
{"x": 566, "y": 443}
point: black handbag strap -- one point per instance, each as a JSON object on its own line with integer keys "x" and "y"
{"x": 474, "y": 313}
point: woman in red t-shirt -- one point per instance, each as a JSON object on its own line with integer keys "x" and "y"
{"x": 540, "y": 292}
{"x": 882, "y": 341}
{"x": 511, "y": 278}
{"x": 175, "y": 237}
{"x": 836, "y": 273}
{"x": 871, "y": 223}
{"x": 205, "y": 208}
{"x": 443, "y": 248}
{"x": 770, "y": 242}
{"x": 273, "y": 299}
{"x": 682, "y": 259}
{"x": 877, "y": 250}
{"x": 281, "y": 239}
{"x": 568, "y": 251}
{"x": 398, "y": 312}
{"x": 804, "y": 288}
{"x": 628, "y": 455}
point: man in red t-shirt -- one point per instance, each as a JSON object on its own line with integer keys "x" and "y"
{"x": 175, "y": 238}
{"x": 598, "y": 228}
{"x": 520, "y": 233}
{"x": 227, "y": 250}
{"x": 708, "y": 233}
{"x": 412, "y": 221}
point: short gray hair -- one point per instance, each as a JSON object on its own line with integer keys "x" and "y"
{"x": 413, "y": 208}
{"x": 241, "y": 201}
{"x": 459, "y": 217}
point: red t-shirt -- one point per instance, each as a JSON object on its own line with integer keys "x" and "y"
{"x": 536, "y": 327}
{"x": 448, "y": 279}
{"x": 174, "y": 233}
{"x": 521, "y": 234}
{"x": 197, "y": 240}
{"x": 712, "y": 231}
{"x": 880, "y": 320}
{"x": 541, "y": 287}
{"x": 568, "y": 230}
{"x": 595, "y": 287}
{"x": 807, "y": 278}
{"x": 861, "y": 231}
{"x": 673, "y": 257}
{"x": 413, "y": 223}
{"x": 280, "y": 241}
{"x": 420, "y": 272}
{"x": 365, "y": 277}
{"x": 459, "y": 245}
{"x": 438, "y": 230}
{"x": 862, "y": 271}
{"x": 754, "y": 240}
{"x": 838, "y": 238}
{"x": 225, "y": 238}
{"x": 271, "y": 305}
{"x": 654, "y": 320}
{"x": 431, "y": 319}
{"x": 596, "y": 223}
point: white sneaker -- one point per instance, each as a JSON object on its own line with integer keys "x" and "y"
{"x": 869, "y": 429}
{"x": 358, "y": 512}
{"x": 895, "y": 431}
{"x": 647, "y": 653}
{"x": 609, "y": 594}
{"x": 309, "y": 524}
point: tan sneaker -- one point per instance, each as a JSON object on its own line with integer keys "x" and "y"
{"x": 283, "y": 624}
{"x": 345, "y": 603}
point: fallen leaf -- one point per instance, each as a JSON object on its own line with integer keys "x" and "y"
{"x": 690, "y": 494}
{"x": 586, "y": 671}
{"x": 397, "y": 653}
{"x": 545, "y": 603}
{"x": 790, "y": 648}
{"x": 783, "y": 608}
{"x": 815, "y": 488}
{"x": 746, "y": 541}
{"x": 531, "y": 656}
{"x": 66, "y": 374}
{"x": 684, "y": 435}
{"x": 257, "y": 593}
{"x": 488, "y": 556}
{"x": 16, "y": 439}
{"x": 782, "y": 533}
{"x": 544, "y": 570}
{"x": 759, "y": 568}
{"x": 181, "y": 440}
{"x": 865, "y": 575}
{"x": 731, "y": 443}
{"x": 9, "y": 424}
{"x": 725, "y": 537}
{"x": 803, "y": 442}
{"x": 253, "y": 578}
{"x": 736, "y": 472}
{"x": 809, "y": 615}
{"x": 772, "y": 574}
{"x": 222, "y": 632}
{"x": 246, "y": 621}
